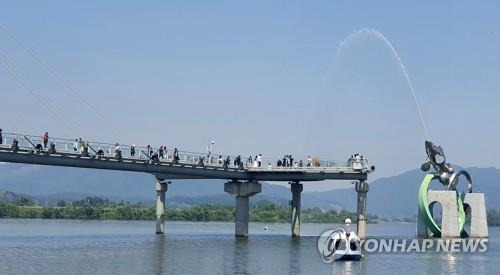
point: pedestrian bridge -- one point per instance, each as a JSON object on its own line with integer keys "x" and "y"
{"x": 190, "y": 165}
{"x": 243, "y": 180}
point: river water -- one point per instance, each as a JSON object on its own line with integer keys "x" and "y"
{"x": 131, "y": 247}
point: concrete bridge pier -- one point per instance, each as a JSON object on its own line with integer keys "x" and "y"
{"x": 242, "y": 191}
{"x": 296, "y": 189}
{"x": 361, "y": 188}
{"x": 161, "y": 188}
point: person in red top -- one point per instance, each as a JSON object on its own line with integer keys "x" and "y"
{"x": 45, "y": 139}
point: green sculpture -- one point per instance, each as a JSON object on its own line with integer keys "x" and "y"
{"x": 446, "y": 175}
{"x": 425, "y": 210}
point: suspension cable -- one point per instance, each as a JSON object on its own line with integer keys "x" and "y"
{"x": 29, "y": 90}
{"x": 59, "y": 78}
{"x": 43, "y": 93}
{"x": 10, "y": 122}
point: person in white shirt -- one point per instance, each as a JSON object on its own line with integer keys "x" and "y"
{"x": 118, "y": 151}
{"x": 259, "y": 159}
{"x": 80, "y": 145}
{"x": 348, "y": 229}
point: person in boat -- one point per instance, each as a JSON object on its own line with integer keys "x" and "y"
{"x": 347, "y": 226}
{"x": 351, "y": 235}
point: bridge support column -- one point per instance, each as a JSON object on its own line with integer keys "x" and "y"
{"x": 161, "y": 188}
{"x": 296, "y": 189}
{"x": 361, "y": 189}
{"x": 242, "y": 191}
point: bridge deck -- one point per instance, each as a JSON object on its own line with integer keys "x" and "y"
{"x": 188, "y": 165}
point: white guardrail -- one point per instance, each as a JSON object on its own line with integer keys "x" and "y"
{"x": 169, "y": 155}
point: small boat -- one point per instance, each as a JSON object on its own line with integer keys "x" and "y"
{"x": 343, "y": 246}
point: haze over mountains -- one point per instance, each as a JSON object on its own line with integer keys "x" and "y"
{"x": 394, "y": 197}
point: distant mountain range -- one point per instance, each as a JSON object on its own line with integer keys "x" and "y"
{"x": 396, "y": 197}
{"x": 10, "y": 197}
{"x": 388, "y": 197}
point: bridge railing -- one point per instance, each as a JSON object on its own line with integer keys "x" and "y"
{"x": 70, "y": 146}
{"x": 74, "y": 146}
{"x": 306, "y": 163}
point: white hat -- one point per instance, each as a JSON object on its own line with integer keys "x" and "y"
{"x": 347, "y": 221}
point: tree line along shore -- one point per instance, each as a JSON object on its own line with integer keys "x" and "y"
{"x": 98, "y": 209}
{"x": 95, "y": 208}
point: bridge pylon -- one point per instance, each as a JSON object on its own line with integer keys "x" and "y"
{"x": 296, "y": 189}
{"x": 242, "y": 191}
{"x": 361, "y": 188}
{"x": 161, "y": 189}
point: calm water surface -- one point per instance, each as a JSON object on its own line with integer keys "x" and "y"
{"x": 131, "y": 247}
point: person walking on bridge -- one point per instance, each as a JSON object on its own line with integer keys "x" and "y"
{"x": 45, "y": 139}
{"x": 132, "y": 150}
{"x": 81, "y": 146}
{"x": 1, "y": 138}
{"x": 118, "y": 151}
{"x": 238, "y": 161}
{"x": 176, "y": 155}
{"x": 160, "y": 152}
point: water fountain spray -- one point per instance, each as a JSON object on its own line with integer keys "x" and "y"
{"x": 378, "y": 35}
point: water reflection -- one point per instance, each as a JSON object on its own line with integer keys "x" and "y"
{"x": 159, "y": 255}
{"x": 294, "y": 262}
{"x": 428, "y": 263}
{"x": 347, "y": 267}
{"x": 240, "y": 256}
{"x": 91, "y": 247}
{"x": 451, "y": 263}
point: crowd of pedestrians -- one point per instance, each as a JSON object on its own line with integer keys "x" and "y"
{"x": 255, "y": 161}
{"x": 354, "y": 158}
{"x": 287, "y": 161}
{"x": 82, "y": 147}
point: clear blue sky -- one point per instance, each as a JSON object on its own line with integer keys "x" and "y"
{"x": 261, "y": 76}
